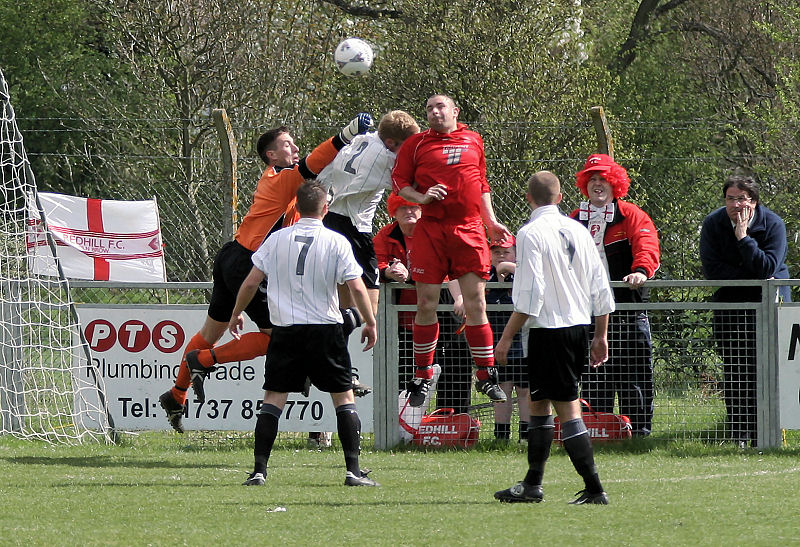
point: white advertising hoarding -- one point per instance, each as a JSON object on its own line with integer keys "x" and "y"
{"x": 137, "y": 349}
{"x": 789, "y": 366}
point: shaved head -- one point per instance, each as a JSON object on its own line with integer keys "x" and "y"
{"x": 544, "y": 188}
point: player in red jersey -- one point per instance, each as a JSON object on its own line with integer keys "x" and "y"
{"x": 444, "y": 170}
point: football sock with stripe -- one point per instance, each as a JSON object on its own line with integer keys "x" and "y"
{"x": 523, "y": 431}
{"x": 425, "y": 339}
{"x": 540, "y": 439}
{"x": 481, "y": 344}
{"x": 424, "y": 372}
{"x": 348, "y": 426}
{"x": 352, "y": 320}
{"x": 184, "y": 378}
{"x": 579, "y": 449}
{"x": 265, "y": 434}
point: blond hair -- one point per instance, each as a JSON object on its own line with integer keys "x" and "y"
{"x": 397, "y": 125}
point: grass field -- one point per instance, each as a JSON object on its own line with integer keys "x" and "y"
{"x": 164, "y": 489}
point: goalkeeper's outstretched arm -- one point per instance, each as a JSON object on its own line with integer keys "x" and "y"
{"x": 310, "y": 166}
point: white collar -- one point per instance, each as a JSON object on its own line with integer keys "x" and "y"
{"x": 588, "y": 211}
{"x": 544, "y": 210}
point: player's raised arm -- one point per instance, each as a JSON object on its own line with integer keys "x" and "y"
{"x": 434, "y": 193}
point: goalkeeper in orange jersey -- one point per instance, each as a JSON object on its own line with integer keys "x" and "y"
{"x": 271, "y": 210}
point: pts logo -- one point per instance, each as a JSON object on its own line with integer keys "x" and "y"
{"x": 134, "y": 336}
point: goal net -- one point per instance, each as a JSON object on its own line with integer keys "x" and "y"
{"x": 48, "y": 386}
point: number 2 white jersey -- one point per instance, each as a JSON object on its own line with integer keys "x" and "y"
{"x": 303, "y": 264}
{"x": 357, "y": 177}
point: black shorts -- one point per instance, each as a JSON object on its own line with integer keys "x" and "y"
{"x": 515, "y": 371}
{"x": 556, "y": 360}
{"x": 232, "y": 265}
{"x": 363, "y": 249}
{"x": 318, "y": 352}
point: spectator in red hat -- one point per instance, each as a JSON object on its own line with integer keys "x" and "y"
{"x": 627, "y": 241}
{"x": 514, "y": 375}
{"x": 391, "y": 244}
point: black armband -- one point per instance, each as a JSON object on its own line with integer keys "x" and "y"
{"x": 338, "y": 143}
{"x": 304, "y": 171}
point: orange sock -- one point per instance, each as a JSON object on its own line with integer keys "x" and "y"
{"x": 249, "y": 346}
{"x": 184, "y": 378}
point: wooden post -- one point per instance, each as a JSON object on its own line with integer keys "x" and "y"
{"x": 229, "y": 156}
{"x": 605, "y": 143}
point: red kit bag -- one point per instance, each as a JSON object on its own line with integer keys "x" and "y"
{"x": 443, "y": 427}
{"x": 602, "y": 426}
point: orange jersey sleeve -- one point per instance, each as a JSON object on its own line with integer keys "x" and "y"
{"x": 276, "y": 189}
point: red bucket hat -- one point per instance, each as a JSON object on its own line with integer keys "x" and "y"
{"x": 395, "y": 202}
{"x": 509, "y": 242}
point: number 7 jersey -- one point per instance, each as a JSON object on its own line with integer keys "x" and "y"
{"x": 303, "y": 264}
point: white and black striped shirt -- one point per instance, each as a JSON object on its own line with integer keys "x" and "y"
{"x": 357, "y": 177}
{"x": 560, "y": 280}
{"x": 303, "y": 264}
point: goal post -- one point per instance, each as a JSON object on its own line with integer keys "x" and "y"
{"x": 48, "y": 386}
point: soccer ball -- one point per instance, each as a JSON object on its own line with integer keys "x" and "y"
{"x": 353, "y": 57}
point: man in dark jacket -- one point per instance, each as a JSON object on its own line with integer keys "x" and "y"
{"x": 627, "y": 241}
{"x": 742, "y": 240}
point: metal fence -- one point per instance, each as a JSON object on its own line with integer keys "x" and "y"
{"x": 715, "y": 365}
{"x": 677, "y": 189}
{"x": 691, "y": 376}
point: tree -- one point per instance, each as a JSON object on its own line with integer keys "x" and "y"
{"x": 44, "y": 46}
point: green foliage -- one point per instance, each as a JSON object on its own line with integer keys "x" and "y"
{"x": 776, "y": 139}
{"x": 133, "y": 84}
{"x": 46, "y": 48}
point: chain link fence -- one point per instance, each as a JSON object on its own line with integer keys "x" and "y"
{"x": 705, "y": 373}
{"x": 693, "y": 382}
{"x": 676, "y": 189}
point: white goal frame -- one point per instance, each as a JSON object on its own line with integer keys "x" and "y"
{"x": 44, "y": 391}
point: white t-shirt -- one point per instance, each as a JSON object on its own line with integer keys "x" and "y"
{"x": 560, "y": 280}
{"x": 303, "y": 264}
{"x": 357, "y": 177}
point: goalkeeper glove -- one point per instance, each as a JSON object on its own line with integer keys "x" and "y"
{"x": 357, "y": 126}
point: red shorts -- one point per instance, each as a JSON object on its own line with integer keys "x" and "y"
{"x": 439, "y": 250}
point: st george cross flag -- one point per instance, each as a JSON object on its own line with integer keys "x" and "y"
{"x": 97, "y": 239}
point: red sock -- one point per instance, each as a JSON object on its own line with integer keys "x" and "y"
{"x": 184, "y": 378}
{"x": 249, "y": 346}
{"x": 425, "y": 338}
{"x": 481, "y": 345}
